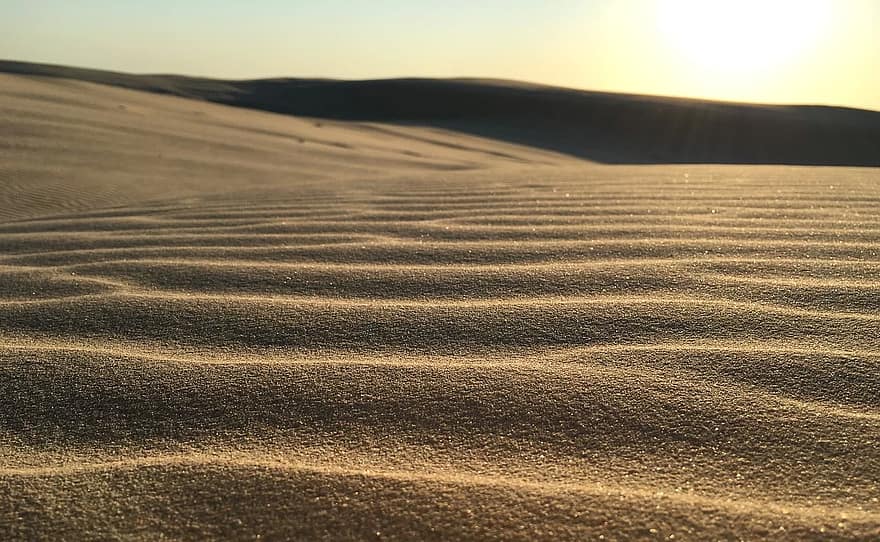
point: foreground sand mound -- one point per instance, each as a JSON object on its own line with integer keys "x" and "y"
{"x": 430, "y": 338}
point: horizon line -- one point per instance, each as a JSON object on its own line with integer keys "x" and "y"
{"x": 627, "y": 93}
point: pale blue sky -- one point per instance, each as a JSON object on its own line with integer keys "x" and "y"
{"x": 605, "y": 45}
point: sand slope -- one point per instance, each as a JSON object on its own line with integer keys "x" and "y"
{"x": 598, "y": 126}
{"x": 219, "y": 323}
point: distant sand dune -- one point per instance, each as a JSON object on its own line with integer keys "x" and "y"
{"x": 221, "y": 323}
{"x": 598, "y": 126}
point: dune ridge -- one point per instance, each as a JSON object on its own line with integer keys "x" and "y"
{"x": 599, "y": 126}
{"x": 222, "y": 323}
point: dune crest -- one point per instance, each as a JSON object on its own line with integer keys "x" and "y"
{"x": 597, "y": 126}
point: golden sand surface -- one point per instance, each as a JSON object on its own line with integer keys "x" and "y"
{"x": 218, "y": 323}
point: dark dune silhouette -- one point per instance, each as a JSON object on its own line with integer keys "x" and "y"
{"x": 604, "y": 127}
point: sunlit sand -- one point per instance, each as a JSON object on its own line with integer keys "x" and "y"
{"x": 219, "y": 322}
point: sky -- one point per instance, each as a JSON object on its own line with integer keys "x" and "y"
{"x": 771, "y": 51}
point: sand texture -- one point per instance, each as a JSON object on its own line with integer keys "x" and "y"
{"x": 219, "y": 323}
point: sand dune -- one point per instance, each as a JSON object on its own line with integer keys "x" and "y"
{"x": 599, "y": 126}
{"x": 222, "y": 323}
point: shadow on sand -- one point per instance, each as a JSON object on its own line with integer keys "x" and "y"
{"x": 603, "y": 127}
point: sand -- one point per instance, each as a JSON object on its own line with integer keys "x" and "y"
{"x": 603, "y": 127}
{"x": 224, "y": 323}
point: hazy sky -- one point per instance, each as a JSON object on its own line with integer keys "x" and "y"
{"x": 801, "y": 51}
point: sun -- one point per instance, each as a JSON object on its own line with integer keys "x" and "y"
{"x": 741, "y": 37}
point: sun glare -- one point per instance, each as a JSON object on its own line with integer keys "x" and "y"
{"x": 742, "y": 37}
